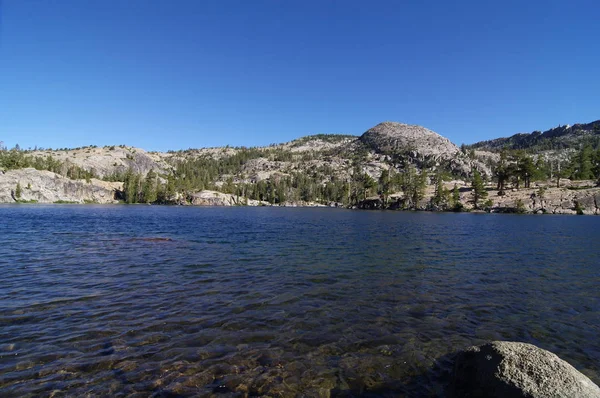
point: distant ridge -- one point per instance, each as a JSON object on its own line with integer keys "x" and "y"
{"x": 560, "y": 137}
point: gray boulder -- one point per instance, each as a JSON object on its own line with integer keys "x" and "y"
{"x": 510, "y": 369}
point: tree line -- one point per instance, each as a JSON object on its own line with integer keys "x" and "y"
{"x": 16, "y": 159}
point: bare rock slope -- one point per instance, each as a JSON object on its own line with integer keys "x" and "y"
{"x": 389, "y": 137}
{"x": 49, "y": 187}
{"x": 424, "y": 147}
{"x": 542, "y": 197}
{"x": 109, "y": 160}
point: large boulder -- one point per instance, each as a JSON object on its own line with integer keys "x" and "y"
{"x": 510, "y": 369}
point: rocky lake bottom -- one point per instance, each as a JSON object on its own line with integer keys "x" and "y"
{"x": 187, "y": 301}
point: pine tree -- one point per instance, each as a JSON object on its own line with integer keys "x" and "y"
{"x": 596, "y": 166}
{"x": 18, "y": 191}
{"x": 384, "y": 186}
{"x": 149, "y": 189}
{"x": 456, "y": 204}
{"x": 413, "y": 186}
{"x": 131, "y": 187}
{"x": 419, "y": 188}
{"x": 280, "y": 192}
{"x": 271, "y": 194}
{"x": 368, "y": 184}
{"x": 582, "y": 165}
{"x": 478, "y": 192}
{"x": 407, "y": 184}
{"x": 440, "y": 196}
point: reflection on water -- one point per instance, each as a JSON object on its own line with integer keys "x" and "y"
{"x": 138, "y": 300}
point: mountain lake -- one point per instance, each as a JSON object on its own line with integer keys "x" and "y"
{"x": 171, "y": 301}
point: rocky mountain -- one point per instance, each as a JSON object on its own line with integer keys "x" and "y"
{"x": 421, "y": 146}
{"x": 327, "y": 157}
{"x": 389, "y": 138}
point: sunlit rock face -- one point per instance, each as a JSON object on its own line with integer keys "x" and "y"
{"x": 48, "y": 187}
{"x": 391, "y": 137}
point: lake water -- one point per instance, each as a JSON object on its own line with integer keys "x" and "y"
{"x": 187, "y": 301}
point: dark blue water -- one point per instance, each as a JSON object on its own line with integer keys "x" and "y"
{"x": 143, "y": 300}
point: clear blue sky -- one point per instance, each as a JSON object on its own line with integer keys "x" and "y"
{"x": 161, "y": 74}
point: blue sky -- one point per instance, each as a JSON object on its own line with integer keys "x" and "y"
{"x": 177, "y": 74}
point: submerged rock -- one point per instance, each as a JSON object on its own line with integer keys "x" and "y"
{"x": 511, "y": 369}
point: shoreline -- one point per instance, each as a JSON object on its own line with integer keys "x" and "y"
{"x": 497, "y": 210}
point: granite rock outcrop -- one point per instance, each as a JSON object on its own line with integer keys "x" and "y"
{"x": 48, "y": 187}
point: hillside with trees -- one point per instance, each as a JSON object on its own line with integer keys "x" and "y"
{"x": 392, "y": 165}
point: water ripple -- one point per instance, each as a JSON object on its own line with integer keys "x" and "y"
{"x": 138, "y": 300}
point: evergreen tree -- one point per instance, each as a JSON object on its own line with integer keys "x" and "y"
{"x": 127, "y": 189}
{"x": 517, "y": 170}
{"x": 419, "y": 188}
{"x": 271, "y": 194}
{"x": 413, "y": 185}
{"x": 525, "y": 168}
{"x": 368, "y": 184}
{"x": 260, "y": 191}
{"x": 560, "y": 172}
{"x": 541, "y": 169}
{"x": 456, "y": 203}
{"x": 596, "y": 166}
{"x": 149, "y": 190}
{"x": 15, "y": 159}
{"x": 281, "y": 192}
{"x": 441, "y": 195}
{"x": 18, "y": 191}
{"x": 362, "y": 184}
{"x": 228, "y": 186}
{"x": 502, "y": 171}
{"x": 407, "y": 184}
{"x": 170, "y": 187}
{"x": 131, "y": 187}
{"x": 385, "y": 186}
{"x": 581, "y": 164}
{"x": 478, "y": 192}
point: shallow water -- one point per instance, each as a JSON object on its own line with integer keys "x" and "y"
{"x": 281, "y": 302}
